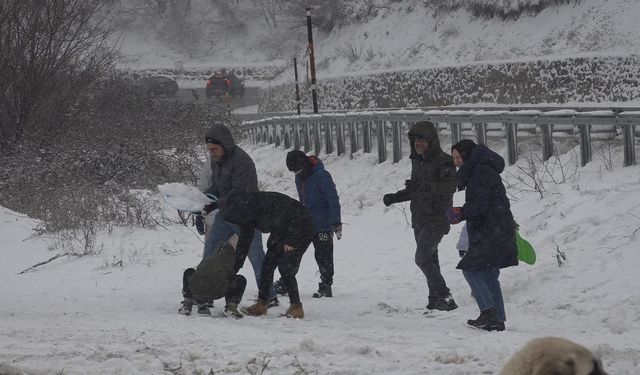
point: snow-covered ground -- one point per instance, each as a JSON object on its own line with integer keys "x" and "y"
{"x": 115, "y": 313}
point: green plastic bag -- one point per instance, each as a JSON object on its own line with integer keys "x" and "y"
{"x": 525, "y": 250}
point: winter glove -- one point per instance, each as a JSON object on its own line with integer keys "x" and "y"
{"x": 389, "y": 199}
{"x": 454, "y": 215}
{"x": 462, "y": 253}
{"x": 337, "y": 229}
{"x": 200, "y": 224}
{"x": 209, "y": 207}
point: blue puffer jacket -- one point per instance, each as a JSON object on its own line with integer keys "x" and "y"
{"x": 318, "y": 194}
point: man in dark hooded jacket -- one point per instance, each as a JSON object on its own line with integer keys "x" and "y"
{"x": 291, "y": 230}
{"x": 430, "y": 191}
{"x": 214, "y": 278}
{"x": 231, "y": 169}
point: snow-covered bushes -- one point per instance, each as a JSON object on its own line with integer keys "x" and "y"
{"x": 88, "y": 178}
{"x": 580, "y": 79}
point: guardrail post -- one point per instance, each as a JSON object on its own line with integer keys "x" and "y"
{"x": 276, "y": 136}
{"x": 317, "y": 142}
{"x": 328, "y": 137}
{"x": 340, "y": 137}
{"x": 287, "y": 135}
{"x": 585, "y": 143}
{"x": 305, "y": 136}
{"x": 366, "y": 133}
{"x": 296, "y": 135}
{"x": 456, "y": 132}
{"x": 511, "y": 130}
{"x": 396, "y": 139}
{"x": 481, "y": 132}
{"x": 628, "y": 136}
{"x": 382, "y": 140}
{"x": 353, "y": 135}
{"x": 547, "y": 141}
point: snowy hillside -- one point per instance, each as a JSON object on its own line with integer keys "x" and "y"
{"x": 378, "y": 35}
{"x": 115, "y": 313}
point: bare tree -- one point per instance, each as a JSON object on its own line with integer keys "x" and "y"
{"x": 50, "y": 51}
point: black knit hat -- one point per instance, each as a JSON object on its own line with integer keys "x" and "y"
{"x": 464, "y": 148}
{"x": 297, "y": 160}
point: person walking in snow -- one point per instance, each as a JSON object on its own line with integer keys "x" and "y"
{"x": 291, "y": 230}
{"x": 317, "y": 192}
{"x": 430, "y": 191}
{"x": 231, "y": 168}
{"x": 490, "y": 227}
{"x": 214, "y": 278}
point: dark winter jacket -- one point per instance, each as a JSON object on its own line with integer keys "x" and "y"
{"x": 317, "y": 192}
{"x": 432, "y": 182}
{"x": 211, "y": 279}
{"x": 236, "y": 170}
{"x": 487, "y": 211}
{"x": 288, "y": 221}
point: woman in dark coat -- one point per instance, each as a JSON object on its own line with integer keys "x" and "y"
{"x": 491, "y": 229}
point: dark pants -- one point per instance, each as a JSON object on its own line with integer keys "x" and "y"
{"x": 323, "y": 246}
{"x": 427, "y": 260}
{"x": 234, "y": 293}
{"x": 287, "y": 264}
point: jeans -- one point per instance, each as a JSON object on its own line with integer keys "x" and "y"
{"x": 222, "y": 230}
{"x": 427, "y": 260}
{"x": 486, "y": 289}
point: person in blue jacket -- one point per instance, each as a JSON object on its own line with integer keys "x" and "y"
{"x": 317, "y": 192}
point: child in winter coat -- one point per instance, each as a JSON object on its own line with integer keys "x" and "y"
{"x": 214, "y": 278}
{"x": 317, "y": 192}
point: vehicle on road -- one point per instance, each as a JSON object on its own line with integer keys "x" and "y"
{"x": 159, "y": 86}
{"x": 223, "y": 83}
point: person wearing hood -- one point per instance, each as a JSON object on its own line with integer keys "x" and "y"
{"x": 430, "y": 191}
{"x": 231, "y": 169}
{"x": 490, "y": 227}
{"x": 317, "y": 192}
{"x": 291, "y": 230}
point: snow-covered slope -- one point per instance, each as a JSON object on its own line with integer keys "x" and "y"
{"x": 115, "y": 313}
{"x": 398, "y": 35}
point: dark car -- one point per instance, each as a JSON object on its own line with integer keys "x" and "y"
{"x": 159, "y": 85}
{"x": 222, "y": 83}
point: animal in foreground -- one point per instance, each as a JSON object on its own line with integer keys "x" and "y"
{"x": 553, "y": 356}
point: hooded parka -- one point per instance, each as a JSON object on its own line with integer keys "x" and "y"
{"x": 432, "y": 182}
{"x": 487, "y": 211}
{"x": 236, "y": 170}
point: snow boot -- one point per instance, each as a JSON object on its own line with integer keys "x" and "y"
{"x": 258, "y": 308}
{"x": 280, "y": 288}
{"x": 295, "y": 311}
{"x": 203, "y": 309}
{"x": 231, "y": 311}
{"x": 186, "y": 307}
{"x": 273, "y": 301}
{"x": 487, "y": 321}
{"x": 442, "y": 303}
{"x": 324, "y": 290}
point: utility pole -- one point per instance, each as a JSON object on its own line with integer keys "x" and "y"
{"x": 295, "y": 69}
{"x": 312, "y": 63}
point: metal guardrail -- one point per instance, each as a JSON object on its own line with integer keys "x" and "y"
{"x": 360, "y": 129}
